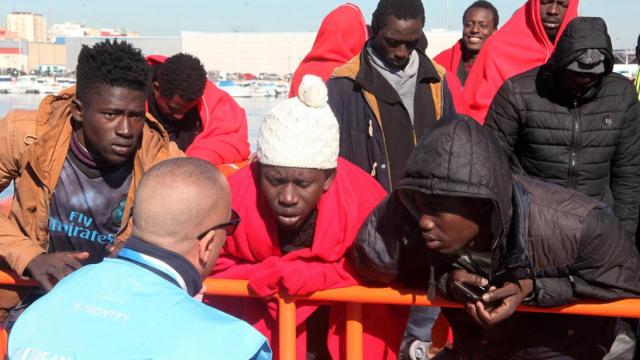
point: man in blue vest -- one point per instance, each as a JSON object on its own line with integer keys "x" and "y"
{"x": 141, "y": 304}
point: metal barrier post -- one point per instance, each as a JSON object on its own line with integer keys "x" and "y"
{"x": 286, "y": 329}
{"x": 354, "y": 331}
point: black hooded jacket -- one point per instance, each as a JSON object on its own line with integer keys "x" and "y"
{"x": 570, "y": 244}
{"x": 590, "y": 143}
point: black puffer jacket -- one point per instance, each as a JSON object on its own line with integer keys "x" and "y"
{"x": 591, "y": 143}
{"x": 571, "y": 244}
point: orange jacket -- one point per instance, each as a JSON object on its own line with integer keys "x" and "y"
{"x": 33, "y": 147}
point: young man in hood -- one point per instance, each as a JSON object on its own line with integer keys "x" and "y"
{"x": 459, "y": 217}
{"x": 525, "y": 41}
{"x": 144, "y": 298}
{"x": 203, "y": 120}
{"x": 75, "y": 164}
{"x": 301, "y": 207}
{"x": 479, "y": 21}
{"x": 574, "y": 122}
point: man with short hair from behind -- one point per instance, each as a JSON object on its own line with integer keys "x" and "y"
{"x": 203, "y": 120}
{"x": 75, "y": 165}
{"x": 144, "y": 298}
{"x": 479, "y": 21}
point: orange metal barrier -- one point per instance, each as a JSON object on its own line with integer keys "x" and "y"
{"x": 355, "y": 296}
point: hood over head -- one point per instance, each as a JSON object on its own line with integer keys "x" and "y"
{"x": 582, "y": 34}
{"x": 459, "y": 157}
{"x": 341, "y": 36}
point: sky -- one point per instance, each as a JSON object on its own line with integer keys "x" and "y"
{"x": 168, "y": 18}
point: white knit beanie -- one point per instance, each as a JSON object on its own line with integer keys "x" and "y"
{"x": 301, "y": 132}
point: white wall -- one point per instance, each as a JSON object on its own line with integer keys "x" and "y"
{"x": 278, "y": 53}
{"x": 15, "y": 61}
{"x": 249, "y": 52}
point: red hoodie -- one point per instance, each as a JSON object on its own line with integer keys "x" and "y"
{"x": 520, "y": 45}
{"x": 341, "y": 36}
{"x": 450, "y": 59}
{"x": 253, "y": 253}
{"x": 224, "y": 136}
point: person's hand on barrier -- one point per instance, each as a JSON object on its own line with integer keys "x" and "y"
{"x": 45, "y": 267}
{"x": 265, "y": 279}
{"x": 500, "y": 303}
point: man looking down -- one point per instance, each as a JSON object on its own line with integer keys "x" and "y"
{"x": 460, "y": 220}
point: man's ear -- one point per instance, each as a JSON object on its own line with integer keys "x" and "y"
{"x": 155, "y": 88}
{"x": 329, "y": 180}
{"x": 76, "y": 110}
{"x": 210, "y": 245}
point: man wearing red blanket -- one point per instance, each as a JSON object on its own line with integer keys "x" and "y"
{"x": 526, "y": 41}
{"x": 301, "y": 207}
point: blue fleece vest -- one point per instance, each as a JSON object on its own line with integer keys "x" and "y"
{"x": 125, "y": 309}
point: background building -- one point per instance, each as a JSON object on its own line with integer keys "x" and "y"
{"x": 47, "y": 57}
{"x": 14, "y": 54}
{"x": 149, "y": 45}
{"x": 278, "y": 53}
{"x": 29, "y": 26}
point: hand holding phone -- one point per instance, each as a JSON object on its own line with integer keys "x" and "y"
{"x": 468, "y": 292}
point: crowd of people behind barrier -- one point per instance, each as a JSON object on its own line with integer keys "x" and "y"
{"x": 505, "y": 171}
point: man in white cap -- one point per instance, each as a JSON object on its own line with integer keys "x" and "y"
{"x": 301, "y": 207}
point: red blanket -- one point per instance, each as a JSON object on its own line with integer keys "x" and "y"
{"x": 450, "y": 59}
{"x": 253, "y": 253}
{"x": 224, "y": 135}
{"x": 341, "y": 36}
{"x": 520, "y": 45}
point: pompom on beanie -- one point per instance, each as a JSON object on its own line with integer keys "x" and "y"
{"x": 302, "y": 131}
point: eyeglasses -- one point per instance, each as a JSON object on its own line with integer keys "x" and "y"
{"x": 229, "y": 227}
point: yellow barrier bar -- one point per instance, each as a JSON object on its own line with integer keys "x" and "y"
{"x": 354, "y": 331}
{"x": 287, "y": 329}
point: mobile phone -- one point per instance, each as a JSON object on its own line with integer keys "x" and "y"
{"x": 470, "y": 293}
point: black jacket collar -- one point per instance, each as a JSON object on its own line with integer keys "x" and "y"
{"x": 185, "y": 269}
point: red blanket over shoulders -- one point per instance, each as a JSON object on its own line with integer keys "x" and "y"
{"x": 224, "y": 138}
{"x": 450, "y": 59}
{"x": 520, "y": 45}
{"x": 341, "y": 36}
{"x": 253, "y": 253}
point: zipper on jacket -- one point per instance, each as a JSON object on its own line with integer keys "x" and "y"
{"x": 384, "y": 143}
{"x": 575, "y": 144}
